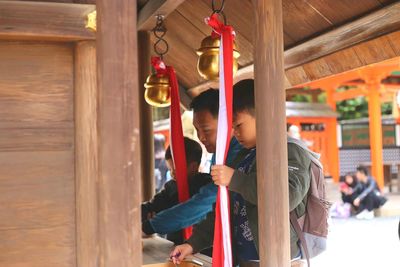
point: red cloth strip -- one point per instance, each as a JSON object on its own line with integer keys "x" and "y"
{"x": 222, "y": 243}
{"x": 177, "y": 141}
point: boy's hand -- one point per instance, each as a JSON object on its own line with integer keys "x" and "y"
{"x": 221, "y": 174}
{"x": 180, "y": 252}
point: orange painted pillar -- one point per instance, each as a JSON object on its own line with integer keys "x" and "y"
{"x": 375, "y": 129}
{"x": 333, "y": 149}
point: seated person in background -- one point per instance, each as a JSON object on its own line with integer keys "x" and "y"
{"x": 160, "y": 166}
{"x": 168, "y": 196}
{"x": 370, "y": 197}
{"x": 349, "y": 188}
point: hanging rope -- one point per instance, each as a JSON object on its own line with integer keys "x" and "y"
{"x": 222, "y": 249}
{"x": 176, "y": 133}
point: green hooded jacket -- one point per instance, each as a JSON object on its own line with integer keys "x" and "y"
{"x": 299, "y": 163}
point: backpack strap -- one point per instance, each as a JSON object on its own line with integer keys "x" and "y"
{"x": 303, "y": 243}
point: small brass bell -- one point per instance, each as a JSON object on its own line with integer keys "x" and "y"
{"x": 158, "y": 93}
{"x": 208, "y": 63}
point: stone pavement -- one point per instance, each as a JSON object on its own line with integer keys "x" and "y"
{"x": 363, "y": 243}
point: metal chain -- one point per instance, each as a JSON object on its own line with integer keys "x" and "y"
{"x": 160, "y": 46}
{"x": 219, "y": 11}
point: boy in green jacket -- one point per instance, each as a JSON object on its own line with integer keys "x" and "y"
{"x": 242, "y": 183}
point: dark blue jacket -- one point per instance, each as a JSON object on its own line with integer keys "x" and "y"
{"x": 192, "y": 211}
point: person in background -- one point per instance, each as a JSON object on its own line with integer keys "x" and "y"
{"x": 168, "y": 196}
{"x": 160, "y": 166}
{"x": 349, "y": 188}
{"x": 370, "y": 197}
{"x": 294, "y": 131}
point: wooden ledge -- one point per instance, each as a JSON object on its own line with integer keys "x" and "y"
{"x": 44, "y": 21}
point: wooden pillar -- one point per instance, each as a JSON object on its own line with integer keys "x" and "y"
{"x": 329, "y": 97}
{"x": 375, "y": 129}
{"x": 86, "y": 153}
{"x": 331, "y": 128}
{"x": 272, "y": 170}
{"x": 146, "y": 119}
{"x": 119, "y": 141}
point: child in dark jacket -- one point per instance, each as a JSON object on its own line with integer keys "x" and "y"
{"x": 168, "y": 196}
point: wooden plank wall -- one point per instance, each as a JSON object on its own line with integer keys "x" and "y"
{"x": 37, "y": 190}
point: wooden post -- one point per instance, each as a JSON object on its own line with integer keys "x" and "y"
{"x": 272, "y": 170}
{"x": 119, "y": 193}
{"x": 86, "y": 153}
{"x": 375, "y": 129}
{"x": 333, "y": 150}
{"x": 146, "y": 120}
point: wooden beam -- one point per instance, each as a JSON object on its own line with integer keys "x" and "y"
{"x": 375, "y": 130}
{"x": 119, "y": 140}
{"x": 44, "y": 21}
{"x": 146, "y": 17}
{"x": 273, "y": 196}
{"x": 350, "y": 94}
{"x": 146, "y": 119}
{"x": 331, "y": 127}
{"x": 378, "y": 23}
{"x": 242, "y": 74}
{"x": 185, "y": 98}
{"x": 303, "y": 91}
{"x": 381, "y": 22}
{"x": 335, "y": 80}
{"x": 86, "y": 153}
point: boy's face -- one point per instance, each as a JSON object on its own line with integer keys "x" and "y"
{"x": 171, "y": 167}
{"x": 349, "y": 179}
{"x": 361, "y": 176}
{"x": 244, "y": 129}
{"x": 206, "y": 127}
{"x": 192, "y": 168}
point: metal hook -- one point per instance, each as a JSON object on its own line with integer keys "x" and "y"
{"x": 159, "y": 32}
{"x": 220, "y": 9}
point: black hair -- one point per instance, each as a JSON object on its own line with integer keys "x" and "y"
{"x": 352, "y": 175}
{"x": 206, "y": 101}
{"x": 192, "y": 149}
{"x": 363, "y": 170}
{"x": 159, "y": 143}
{"x": 243, "y": 97}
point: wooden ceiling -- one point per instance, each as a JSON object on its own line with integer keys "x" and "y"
{"x": 303, "y": 21}
{"x": 321, "y": 37}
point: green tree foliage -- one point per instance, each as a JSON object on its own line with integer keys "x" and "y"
{"x": 358, "y": 107}
{"x": 352, "y": 108}
{"x": 348, "y": 109}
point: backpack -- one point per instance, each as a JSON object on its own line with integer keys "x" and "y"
{"x": 312, "y": 227}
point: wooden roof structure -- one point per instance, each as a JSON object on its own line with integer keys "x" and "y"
{"x": 75, "y": 126}
{"x": 329, "y": 37}
{"x": 310, "y": 110}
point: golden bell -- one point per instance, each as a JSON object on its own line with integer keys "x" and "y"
{"x": 157, "y": 91}
{"x": 208, "y": 63}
